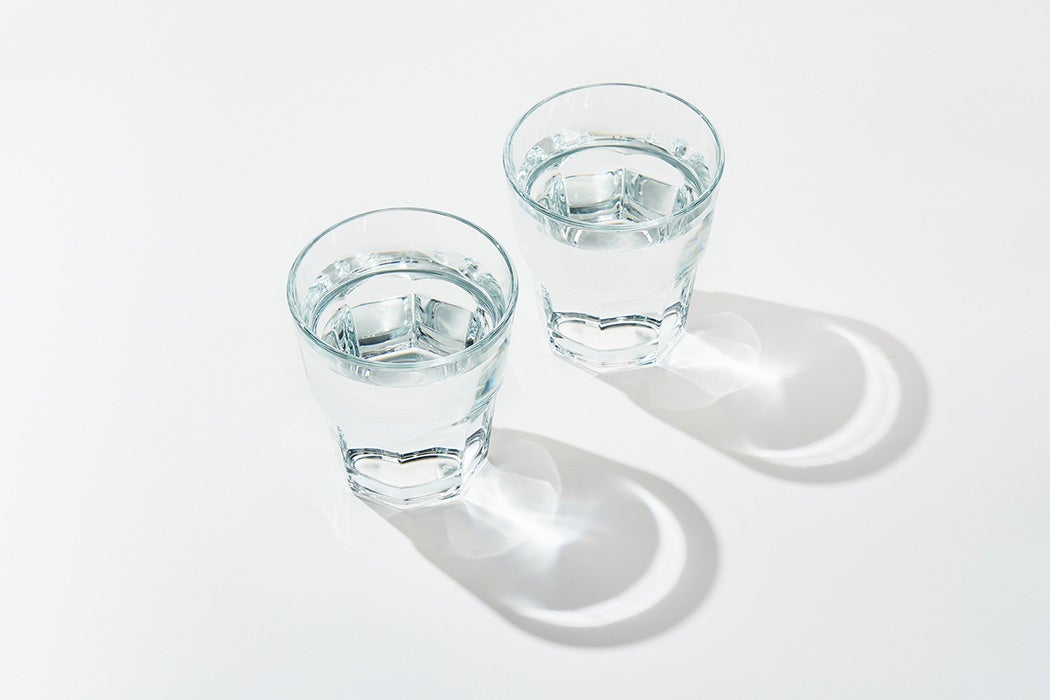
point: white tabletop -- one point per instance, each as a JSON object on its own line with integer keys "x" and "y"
{"x": 865, "y": 517}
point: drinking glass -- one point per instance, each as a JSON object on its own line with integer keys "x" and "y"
{"x": 614, "y": 188}
{"x": 404, "y": 316}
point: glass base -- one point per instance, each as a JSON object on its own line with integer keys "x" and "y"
{"x": 416, "y": 478}
{"x": 612, "y": 344}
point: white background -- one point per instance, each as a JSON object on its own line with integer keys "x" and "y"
{"x": 171, "y": 524}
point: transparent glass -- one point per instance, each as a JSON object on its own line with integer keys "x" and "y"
{"x": 614, "y": 188}
{"x": 404, "y": 316}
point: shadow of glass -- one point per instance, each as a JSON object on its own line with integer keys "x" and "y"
{"x": 568, "y": 545}
{"x": 796, "y": 394}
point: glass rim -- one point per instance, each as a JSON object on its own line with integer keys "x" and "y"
{"x": 486, "y": 340}
{"x": 508, "y": 166}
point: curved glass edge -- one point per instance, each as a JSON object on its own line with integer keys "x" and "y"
{"x": 509, "y": 170}
{"x": 490, "y": 338}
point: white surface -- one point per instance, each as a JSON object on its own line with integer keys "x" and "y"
{"x": 172, "y": 526}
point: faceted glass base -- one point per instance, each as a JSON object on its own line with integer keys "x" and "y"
{"x": 415, "y": 478}
{"x": 615, "y": 344}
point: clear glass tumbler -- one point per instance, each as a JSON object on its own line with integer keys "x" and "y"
{"x": 404, "y": 318}
{"x": 614, "y": 188}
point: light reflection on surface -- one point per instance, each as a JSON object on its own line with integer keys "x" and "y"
{"x": 644, "y": 594}
{"x": 870, "y": 423}
{"x": 796, "y": 394}
{"x": 514, "y": 505}
{"x": 568, "y": 545}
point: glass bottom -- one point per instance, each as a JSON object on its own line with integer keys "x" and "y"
{"x": 612, "y": 344}
{"x": 421, "y": 477}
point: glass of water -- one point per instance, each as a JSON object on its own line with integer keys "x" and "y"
{"x": 404, "y": 318}
{"x": 614, "y": 188}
